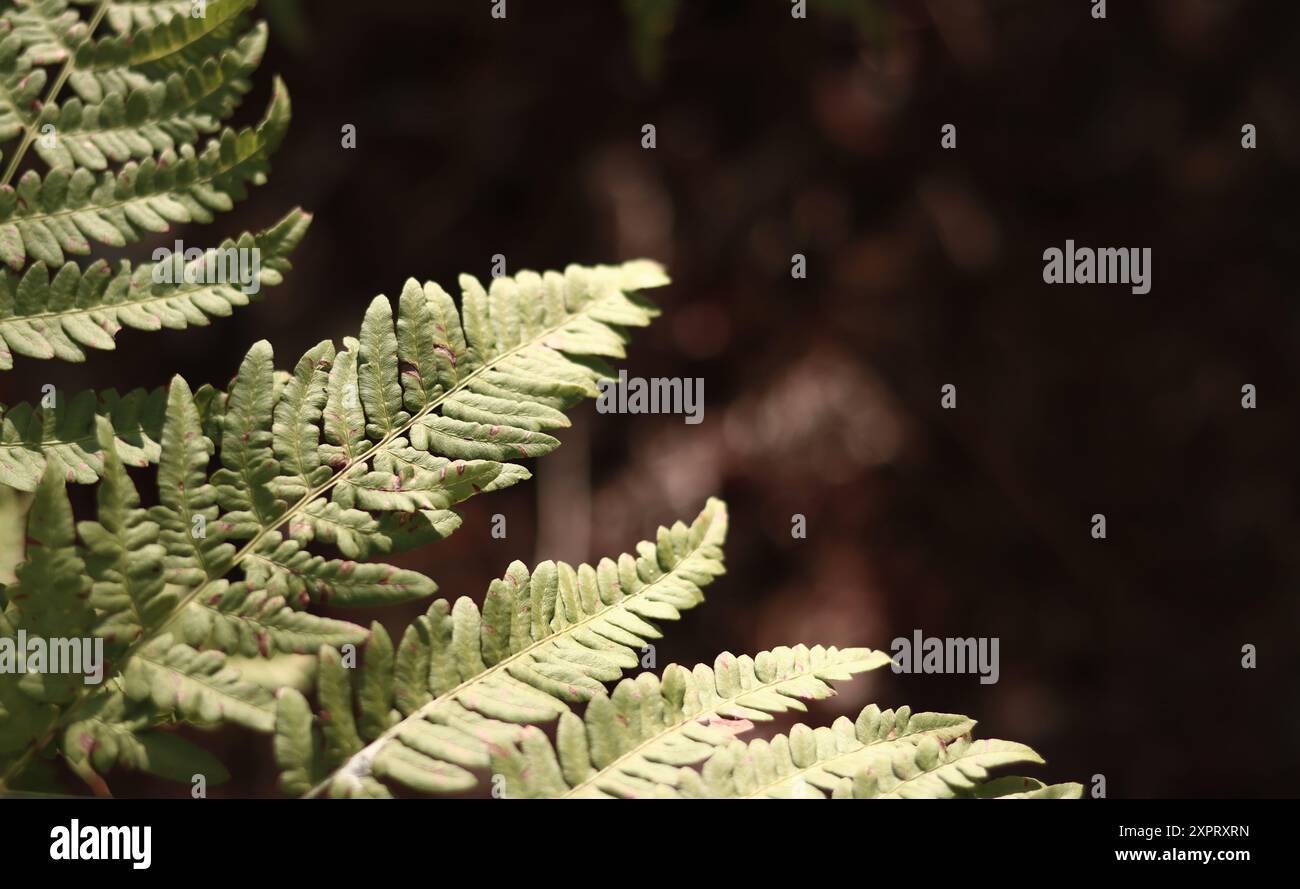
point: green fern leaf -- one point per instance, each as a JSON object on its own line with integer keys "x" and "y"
{"x": 382, "y": 428}
{"x": 187, "y": 510}
{"x": 58, "y": 317}
{"x": 935, "y": 771}
{"x": 462, "y": 681}
{"x": 324, "y": 454}
{"x": 21, "y": 87}
{"x": 124, "y": 162}
{"x": 812, "y": 762}
{"x": 344, "y": 419}
{"x": 125, "y": 558}
{"x": 178, "y": 41}
{"x": 48, "y": 31}
{"x": 246, "y": 456}
{"x": 65, "y": 435}
{"x": 125, "y": 16}
{"x": 44, "y": 217}
{"x": 295, "y": 432}
{"x": 122, "y": 732}
{"x": 51, "y": 595}
{"x": 288, "y": 570}
{"x": 197, "y": 686}
{"x": 156, "y": 117}
{"x": 118, "y": 593}
{"x": 252, "y": 622}
{"x": 883, "y": 755}
{"x": 635, "y": 742}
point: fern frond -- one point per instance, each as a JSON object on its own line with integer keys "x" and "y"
{"x": 59, "y": 316}
{"x": 21, "y": 86}
{"x": 43, "y": 218}
{"x": 49, "y": 31}
{"x": 120, "y": 589}
{"x": 809, "y": 762}
{"x": 179, "y": 41}
{"x": 253, "y": 622}
{"x": 196, "y": 685}
{"x": 376, "y": 442}
{"x": 931, "y": 770}
{"x": 883, "y": 755}
{"x": 168, "y": 38}
{"x": 634, "y": 743}
{"x": 52, "y": 32}
{"x": 125, "y": 557}
{"x": 461, "y": 682}
{"x": 365, "y": 448}
{"x": 116, "y": 591}
{"x": 124, "y": 162}
{"x": 50, "y": 597}
{"x": 382, "y": 440}
{"x": 154, "y": 118}
{"x": 120, "y": 732}
{"x": 65, "y": 435}
{"x": 127, "y": 560}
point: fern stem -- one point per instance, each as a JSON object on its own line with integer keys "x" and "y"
{"x": 28, "y": 135}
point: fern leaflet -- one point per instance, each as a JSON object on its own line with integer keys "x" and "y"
{"x": 461, "y": 682}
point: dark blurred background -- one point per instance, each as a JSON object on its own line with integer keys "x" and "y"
{"x": 1119, "y": 657}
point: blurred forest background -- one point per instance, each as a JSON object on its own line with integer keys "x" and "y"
{"x": 776, "y": 136}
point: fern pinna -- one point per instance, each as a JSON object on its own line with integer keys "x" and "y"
{"x": 284, "y": 491}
